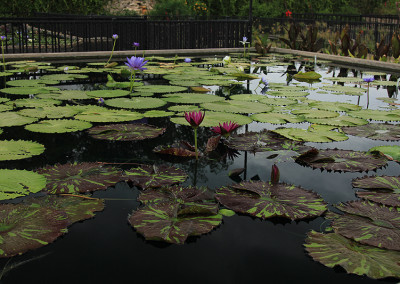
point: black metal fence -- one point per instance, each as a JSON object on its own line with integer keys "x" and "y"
{"x": 93, "y": 33}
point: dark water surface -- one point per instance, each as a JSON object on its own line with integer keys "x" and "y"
{"x": 106, "y": 249}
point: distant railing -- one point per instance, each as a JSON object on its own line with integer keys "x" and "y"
{"x": 93, "y": 33}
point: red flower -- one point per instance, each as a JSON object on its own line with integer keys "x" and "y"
{"x": 274, "y": 174}
{"x": 288, "y": 13}
{"x": 225, "y": 129}
{"x": 194, "y": 118}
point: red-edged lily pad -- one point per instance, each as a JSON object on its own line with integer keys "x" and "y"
{"x": 79, "y": 178}
{"x": 369, "y": 223}
{"x": 263, "y": 141}
{"x": 333, "y": 249}
{"x": 149, "y": 176}
{"x": 266, "y": 200}
{"x": 125, "y": 132}
{"x": 381, "y": 189}
{"x": 24, "y": 227}
{"x": 179, "y": 149}
{"x": 342, "y": 160}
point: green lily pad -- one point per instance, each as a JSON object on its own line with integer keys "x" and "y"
{"x": 376, "y": 131}
{"x": 19, "y": 149}
{"x": 160, "y": 89}
{"x": 312, "y": 134}
{"x": 24, "y": 227}
{"x": 11, "y": 118}
{"x": 58, "y": 126}
{"x": 340, "y": 121}
{"x": 158, "y": 113}
{"x": 107, "y": 93}
{"x": 334, "y": 106}
{"x": 247, "y": 97}
{"x": 79, "y": 178}
{"x": 65, "y": 95}
{"x": 334, "y": 249}
{"x": 277, "y": 118}
{"x": 34, "y": 102}
{"x": 345, "y": 89}
{"x": 391, "y": 152}
{"x": 384, "y": 83}
{"x": 107, "y": 115}
{"x": 262, "y": 142}
{"x": 376, "y": 114}
{"x": 125, "y": 132}
{"x": 16, "y": 183}
{"x": 310, "y": 75}
{"x": 315, "y": 113}
{"x": 213, "y": 118}
{"x": 29, "y": 90}
{"x": 381, "y": 189}
{"x": 341, "y": 160}
{"x": 266, "y": 200}
{"x": 369, "y": 223}
{"x": 278, "y": 102}
{"x": 345, "y": 79}
{"x": 49, "y": 112}
{"x": 31, "y": 83}
{"x": 5, "y": 107}
{"x": 288, "y": 94}
{"x": 64, "y": 77}
{"x": 182, "y": 108}
{"x": 136, "y": 103}
{"x": 237, "y": 106}
{"x": 151, "y": 176}
{"x": 191, "y": 98}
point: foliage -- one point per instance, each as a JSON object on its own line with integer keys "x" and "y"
{"x": 170, "y": 8}
{"x": 348, "y": 46}
{"x": 308, "y": 42}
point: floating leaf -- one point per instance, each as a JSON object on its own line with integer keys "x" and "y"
{"x": 107, "y": 115}
{"x": 16, "y": 183}
{"x": 391, "y": 152}
{"x": 83, "y": 177}
{"x": 247, "y": 97}
{"x": 277, "y": 118}
{"x": 212, "y": 143}
{"x": 10, "y": 118}
{"x": 181, "y": 108}
{"x": 28, "y": 90}
{"x": 340, "y": 121}
{"x": 334, "y": 106}
{"x": 376, "y": 114}
{"x": 107, "y": 93}
{"x": 310, "y": 75}
{"x": 135, "y": 103}
{"x": 148, "y": 176}
{"x": 312, "y": 134}
{"x": 261, "y": 142}
{"x": 341, "y": 160}
{"x": 160, "y": 89}
{"x": 315, "y": 113}
{"x": 333, "y": 249}
{"x": 369, "y": 223}
{"x": 376, "y": 131}
{"x": 49, "y": 112}
{"x": 125, "y": 132}
{"x": 163, "y": 222}
{"x": 382, "y": 189}
{"x": 179, "y": 149}
{"x": 65, "y": 95}
{"x": 4, "y": 107}
{"x": 34, "y": 102}
{"x": 290, "y": 94}
{"x": 345, "y": 79}
{"x": 237, "y": 106}
{"x": 58, "y": 126}
{"x": 20, "y": 149}
{"x": 158, "y": 113}
{"x": 24, "y": 227}
{"x": 345, "y": 89}
{"x": 191, "y": 98}
{"x": 31, "y": 83}
{"x": 266, "y": 200}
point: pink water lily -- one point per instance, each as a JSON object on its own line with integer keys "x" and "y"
{"x": 194, "y": 118}
{"x": 225, "y": 129}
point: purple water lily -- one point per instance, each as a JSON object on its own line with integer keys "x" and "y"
{"x": 3, "y": 38}
{"x": 244, "y": 39}
{"x": 188, "y": 60}
{"x": 264, "y": 81}
{"x": 368, "y": 79}
{"x": 115, "y": 36}
{"x": 136, "y": 44}
{"x": 136, "y": 63}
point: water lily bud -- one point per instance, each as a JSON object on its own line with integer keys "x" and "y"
{"x": 274, "y": 174}
{"x": 226, "y": 60}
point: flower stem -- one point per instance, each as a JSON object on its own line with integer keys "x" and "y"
{"x": 112, "y": 51}
{"x": 195, "y": 143}
{"x": 2, "y": 52}
{"x": 133, "y": 76}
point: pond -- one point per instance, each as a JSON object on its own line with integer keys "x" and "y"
{"x": 278, "y": 227}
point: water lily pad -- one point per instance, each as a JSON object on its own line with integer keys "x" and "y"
{"x": 345, "y": 89}
{"x": 341, "y": 160}
{"x": 31, "y": 83}
{"x": 151, "y": 176}
{"x": 247, "y": 97}
{"x": 79, "y": 178}
{"x": 182, "y": 108}
{"x": 29, "y": 90}
{"x": 315, "y": 133}
{"x": 64, "y": 77}
{"x": 125, "y": 132}
{"x": 19, "y": 149}
{"x": 277, "y": 118}
{"x": 107, "y": 93}
{"x": 391, "y": 152}
{"x": 4, "y": 107}
{"x": 261, "y": 142}
{"x": 376, "y": 131}
{"x": 381, "y": 189}
{"x": 369, "y": 223}
{"x": 345, "y": 79}
{"x": 135, "y": 103}
{"x": 310, "y": 75}
{"x": 315, "y": 113}
{"x": 163, "y": 222}
{"x": 8, "y": 119}
{"x": 341, "y": 121}
{"x": 178, "y": 149}
{"x": 334, "y": 249}
{"x": 66, "y": 95}
{"x": 279, "y": 101}
{"x": 16, "y": 183}
{"x": 376, "y": 114}
{"x": 58, "y": 126}
{"x": 334, "y": 106}
{"x": 34, "y": 102}
{"x": 49, "y": 112}
{"x": 160, "y": 89}
{"x": 237, "y": 106}
{"x": 288, "y": 94}
{"x": 213, "y": 118}
{"x": 384, "y": 83}
{"x": 158, "y": 113}
{"x": 266, "y": 200}
{"x": 24, "y": 227}
{"x": 107, "y": 115}
{"x": 191, "y": 98}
